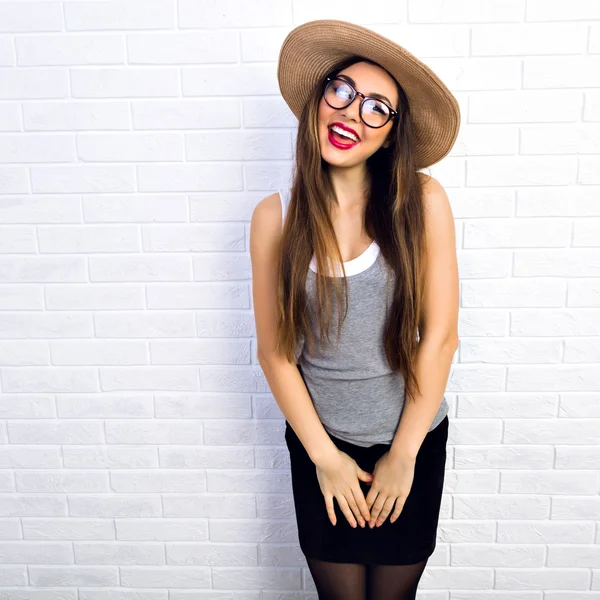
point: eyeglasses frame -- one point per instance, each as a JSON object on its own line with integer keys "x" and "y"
{"x": 393, "y": 113}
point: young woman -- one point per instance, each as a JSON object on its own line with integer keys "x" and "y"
{"x": 360, "y": 238}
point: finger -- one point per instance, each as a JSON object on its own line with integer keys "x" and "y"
{"x": 377, "y": 508}
{"x": 397, "y": 510}
{"x": 362, "y": 504}
{"x": 346, "y": 510}
{"x": 330, "y": 509}
{"x": 354, "y": 507}
{"x": 387, "y": 508}
{"x": 364, "y": 476}
{"x": 371, "y": 496}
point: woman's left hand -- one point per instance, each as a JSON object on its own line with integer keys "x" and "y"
{"x": 392, "y": 480}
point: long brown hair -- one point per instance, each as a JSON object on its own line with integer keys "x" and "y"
{"x": 394, "y": 217}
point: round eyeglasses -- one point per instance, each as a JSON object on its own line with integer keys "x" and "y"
{"x": 373, "y": 112}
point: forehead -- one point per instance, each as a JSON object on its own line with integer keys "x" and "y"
{"x": 371, "y": 80}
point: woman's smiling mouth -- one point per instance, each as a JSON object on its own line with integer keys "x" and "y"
{"x": 342, "y": 137}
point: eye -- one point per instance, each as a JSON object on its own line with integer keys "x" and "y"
{"x": 342, "y": 91}
{"x": 376, "y": 106}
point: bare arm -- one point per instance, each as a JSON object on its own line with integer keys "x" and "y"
{"x": 438, "y": 327}
{"x": 283, "y": 377}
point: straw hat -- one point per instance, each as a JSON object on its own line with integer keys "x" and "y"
{"x": 310, "y": 51}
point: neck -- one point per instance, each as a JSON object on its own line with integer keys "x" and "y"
{"x": 350, "y": 185}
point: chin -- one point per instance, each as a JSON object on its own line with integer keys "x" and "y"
{"x": 334, "y": 161}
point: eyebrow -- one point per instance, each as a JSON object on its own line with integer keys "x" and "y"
{"x": 372, "y": 94}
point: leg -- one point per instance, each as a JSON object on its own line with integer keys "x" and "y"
{"x": 395, "y": 582}
{"x": 338, "y": 581}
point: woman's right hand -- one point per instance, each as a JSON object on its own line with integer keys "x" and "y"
{"x": 338, "y": 477}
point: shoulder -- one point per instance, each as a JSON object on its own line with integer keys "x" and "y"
{"x": 439, "y": 219}
{"x": 268, "y": 212}
{"x": 433, "y": 191}
{"x": 265, "y": 224}
{"x": 435, "y": 198}
{"x": 267, "y": 206}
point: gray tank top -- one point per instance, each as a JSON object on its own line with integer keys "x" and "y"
{"x": 356, "y": 395}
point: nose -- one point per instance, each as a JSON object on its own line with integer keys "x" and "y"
{"x": 353, "y": 109}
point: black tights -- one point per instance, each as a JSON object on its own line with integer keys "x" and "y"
{"x": 351, "y": 581}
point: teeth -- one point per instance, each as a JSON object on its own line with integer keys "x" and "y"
{"x": 344, "y": 133}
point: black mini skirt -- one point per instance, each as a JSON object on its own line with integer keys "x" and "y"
{"x": 410, "y": 539}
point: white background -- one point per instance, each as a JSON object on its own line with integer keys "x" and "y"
{"x": 141, "y": 453}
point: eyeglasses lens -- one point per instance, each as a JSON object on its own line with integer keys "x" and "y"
{"x": 338, "y": 94}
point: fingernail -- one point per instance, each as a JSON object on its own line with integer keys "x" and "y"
{"x": 371, "y": 524}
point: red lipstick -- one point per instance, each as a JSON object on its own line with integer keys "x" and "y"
{"x": 338, "y": 143}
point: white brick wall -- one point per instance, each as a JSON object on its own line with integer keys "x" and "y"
{"x": 141, "y": 453}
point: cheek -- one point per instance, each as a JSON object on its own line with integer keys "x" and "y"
{"x": 322, "y": 106}
{"x": 323, "y": 118}
{"x": 377, "y": 138}
{"x": 372, "y": 140}
{"x": 324, "y": 113}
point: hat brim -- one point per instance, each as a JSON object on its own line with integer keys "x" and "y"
{"x": 310, "y": 51}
